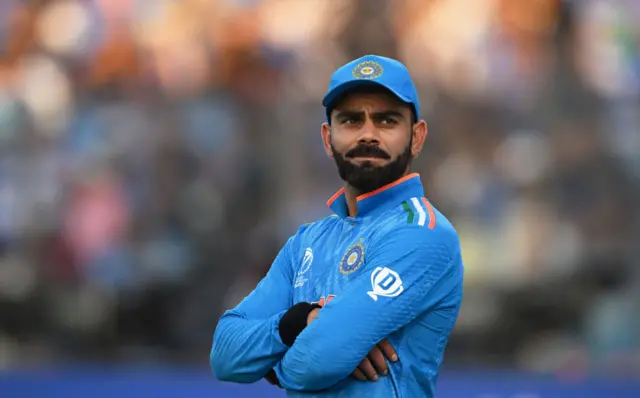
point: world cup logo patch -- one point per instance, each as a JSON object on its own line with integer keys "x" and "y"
{"x": 352, "y": 259}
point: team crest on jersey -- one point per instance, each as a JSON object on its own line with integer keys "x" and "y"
{"x": 367, "y": 70}
{"x": 353, "y": 258}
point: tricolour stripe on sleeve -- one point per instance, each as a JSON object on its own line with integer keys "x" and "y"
{"x": 410, "y": 213}
{"x": 422, "y": 215}
{"x": 432, "y": 214}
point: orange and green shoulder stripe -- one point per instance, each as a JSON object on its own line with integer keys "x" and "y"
{"x": 420, "y": 212}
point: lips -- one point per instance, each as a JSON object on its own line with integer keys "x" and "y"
{"x": 367, "y": 158}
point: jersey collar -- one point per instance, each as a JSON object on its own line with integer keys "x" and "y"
{"x": 382, "y": 199}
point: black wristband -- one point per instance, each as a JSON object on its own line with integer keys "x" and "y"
{"x": 294, "y": 321}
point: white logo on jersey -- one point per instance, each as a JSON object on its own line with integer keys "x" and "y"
{"x": 304, "y": 267}
{"x": 385, "y": 282}
{"x": 306, "y": 261}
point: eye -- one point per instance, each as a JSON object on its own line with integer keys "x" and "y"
{"x": 388, "y": 120}
{"x": 350, "y": 120}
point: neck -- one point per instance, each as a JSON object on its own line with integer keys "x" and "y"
{"x": 350, "y": 195}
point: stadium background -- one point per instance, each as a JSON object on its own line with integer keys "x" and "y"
{"x": 155, "y": 154}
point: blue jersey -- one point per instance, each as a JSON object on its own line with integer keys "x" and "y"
{"x": 393, "y": 271}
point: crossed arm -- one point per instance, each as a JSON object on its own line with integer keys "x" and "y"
{"x": 247, "y": 343}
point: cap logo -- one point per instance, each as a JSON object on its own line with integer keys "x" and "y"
{"x": 367, "y": 70}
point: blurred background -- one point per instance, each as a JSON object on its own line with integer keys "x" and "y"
{"x": 155, "y": 155}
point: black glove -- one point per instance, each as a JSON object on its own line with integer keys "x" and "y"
{"x": 294, "y": 321}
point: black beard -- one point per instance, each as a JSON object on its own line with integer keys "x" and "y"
{"x": 367, "y": 177}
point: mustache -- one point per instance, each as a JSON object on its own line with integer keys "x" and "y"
{"x": 367, "y": 151}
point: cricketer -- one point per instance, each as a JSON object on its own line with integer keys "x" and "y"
{"x": 361, "y": 303}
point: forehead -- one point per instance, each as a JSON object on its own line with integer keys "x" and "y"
{"x": 373, "y": 98}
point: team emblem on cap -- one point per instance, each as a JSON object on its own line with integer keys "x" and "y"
{"x": 367, "y": 70}
{"x": 353, "y": 258}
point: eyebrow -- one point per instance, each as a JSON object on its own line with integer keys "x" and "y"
{"x": 341, "y": 114}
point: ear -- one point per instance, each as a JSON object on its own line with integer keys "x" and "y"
{"x": 419, "y": 132}
{"x": 325, "y": 131}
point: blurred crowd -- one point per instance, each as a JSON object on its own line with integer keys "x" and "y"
{"x": 155, "y": 155}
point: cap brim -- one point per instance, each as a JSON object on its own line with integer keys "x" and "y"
{"x": 338, "y": 92}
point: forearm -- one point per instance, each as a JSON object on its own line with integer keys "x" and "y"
{"x": 312, "y": 370}
{"x": 244, "y": 350}
{"x": 329, "y": 349}
{"x": 320, "y": 358}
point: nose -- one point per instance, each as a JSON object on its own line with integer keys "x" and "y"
{"x": 369, "y": 133}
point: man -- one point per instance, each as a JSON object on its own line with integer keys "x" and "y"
{"x": 373, "y": 291}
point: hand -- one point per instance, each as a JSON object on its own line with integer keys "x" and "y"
{"x": 375, "y": 362}
{"x": 312, "y": 315}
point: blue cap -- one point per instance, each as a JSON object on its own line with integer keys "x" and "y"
{"x": 372, "y": 70}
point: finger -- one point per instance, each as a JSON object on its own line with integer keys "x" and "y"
{"x": 359, "y": 375}
{"x": 367, "y": 368}
{"x": 388, "y": 350}
{"x": 376, "y": 357}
